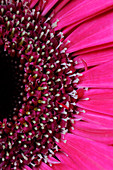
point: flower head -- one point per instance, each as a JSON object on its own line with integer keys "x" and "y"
{"x": 47, "y": 85}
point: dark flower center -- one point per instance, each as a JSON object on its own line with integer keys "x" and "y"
{"x": 39, "y": 81}
{"x": 10, "y": 86}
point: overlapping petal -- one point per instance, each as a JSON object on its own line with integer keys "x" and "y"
{"x": 94, "y": 58}
{"x": 87, "y": 154}
{"x": 93, "y": 33}
{"x": 98, "y": 100}
{"x": 44, "y": 166}
{"x": 98, "y": 77}
{"x": 33, "y": 3}
{"x": 48, "y": 6}
{"x": 80, "y": 10}
{"x": 95, "y": 126}
{"x": 93, "y": 119}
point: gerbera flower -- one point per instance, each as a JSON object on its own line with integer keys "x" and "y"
{"x": 56, "y": 84}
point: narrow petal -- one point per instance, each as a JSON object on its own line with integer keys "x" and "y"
{"x": 33, "y": 3}
{"x": 26, "y": 168}
{"x": 72, "y": 12}
{"x": 98, "y": 77}
{"x": 99, "y": 135}
{"x": 87, "y": 154}
{"x": 98, "y": 100}
{"x": 65, "y": 162}
{"x": 48, "y": 6}
{"x": 94, "y": 58}
{"x": 95, "y": 118}
{"x": 95, "y": 48}
{"x": 52, "y": 160}
{"x": 60, "y": 6}
{"x": 94, "y": 126}
{"x": 44, "y": 166}
{"x": 95, "y": 32}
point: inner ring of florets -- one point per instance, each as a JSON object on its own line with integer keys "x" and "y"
{"x": 48, "y": 78}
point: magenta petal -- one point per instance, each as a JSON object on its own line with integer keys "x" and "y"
{"x": 33, "y": 3}
{"x": 94, "y": 48}
{"x": 94, "y": 133}
{"x": 44, "y": 166}
{"x": 98, "y": 100}
{"x": 87, "y": 154}
{"x": 98, "y": 77}
{"x": 65, "y": 162}
{"x": 94, "y": 58}
{"x": 95, "y": 32}
{"x": 96, "y": 126}
{"x": 97, "y": 119}
{"x": 80, "y": 10}
{"x": 60, "y": 6}
{"x": 48, "y": 6}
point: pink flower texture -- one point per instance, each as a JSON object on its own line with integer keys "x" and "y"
{"x": 56, "y": 84}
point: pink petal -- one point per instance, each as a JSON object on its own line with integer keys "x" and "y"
{"x": 95, "y": 48}
{"x": 95, "y": 118}
{"x": 94, "y": 126}
{"x": 26, "y": 168}
{"x": 100, "y": 100}
{"x": 98, "y": 77}
{"x": 52, "y": 160}
{"x": 65, "y": 162}
{"x": 99, "y": 135}
{"x": 44, "y": 166}
{"x": 80, "y": 10}
{"x": 48, "y": 6}
{"x": 60, "y": 6}
{"x": 33, "y": 3}
{"x": 94, "y": 58}
{"x": 87, "y": 154}
{"x": 95, "y": 32}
